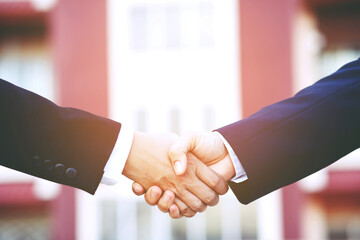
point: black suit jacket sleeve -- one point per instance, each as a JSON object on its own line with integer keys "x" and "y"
{"x": 291, "y": 139}
{"x": 63, "y": 145}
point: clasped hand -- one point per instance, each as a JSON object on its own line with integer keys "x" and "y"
{"x": 181, "y": 176}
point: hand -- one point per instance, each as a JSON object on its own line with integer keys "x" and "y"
{"x": 149, "y": 165}
{"x": 206, "y": 146}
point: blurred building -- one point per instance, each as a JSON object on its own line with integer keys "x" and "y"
{"x": 177, "y": 65}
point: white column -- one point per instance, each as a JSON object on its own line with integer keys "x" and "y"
{"x": 196, "y": 227}
{"x": 87, "y": 219}
{"x": 314, "y": 218}
{"x": 127, "y": 220}
{"x": 160, "y": 225}
{"x": 269, "y": 217}
{"x": 230, "y": 218}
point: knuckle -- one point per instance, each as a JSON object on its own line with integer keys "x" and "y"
{"x": 214, "y": 182}
{"x": 163, "y": 207}
{"x": 190, "y": 214}
{"x": 204, "y": 208}
{"x": 185, "y": 211}
{"x": 162, "y": 204}
{"x": 191, "y": 161}
{"x": 226, "y": 188}
{"x": 188, "y": 182}
{"x": 198, "y": 206}
{"x": 223, "y": 189}
{"x": 150, "y": 201}
{"x": 179, "y": 191}
{"x": 211, "y": 198}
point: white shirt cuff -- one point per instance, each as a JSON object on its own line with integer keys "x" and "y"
{"x": 116, "y": 163}
{"x": 240, "y": 175}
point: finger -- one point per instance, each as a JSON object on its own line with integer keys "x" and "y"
{"x": 211, "y": 179}
{"x": 174, "y": 211}
{"x": 192, "y": 201}
{"x": 204, "y": 193}
{"x": 185, "y": 210}
{"x": 166, "y": 201}
{"x": 138, "y": 189}
{"x": 153, "y": 195}
{"x": 178, "y": 150}
{"x": 199, "y": 187}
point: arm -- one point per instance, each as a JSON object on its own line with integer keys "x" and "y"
{"x": 288, "y": 140}
{"x": 63, "y": 145}
{"x": 291, "y": 139}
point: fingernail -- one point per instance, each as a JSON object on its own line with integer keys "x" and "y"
{"x": 166, "y": 197}
{"x": 178, "y": 167}
{"x": 172, "y": 209}
{"x": 153, "y": 194}
{"x": 137, "y": 188}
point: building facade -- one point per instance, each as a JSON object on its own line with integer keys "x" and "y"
{"x": 167, "y": 65}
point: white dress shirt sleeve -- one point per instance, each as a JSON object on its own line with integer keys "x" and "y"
{"x": 116, "y": 163}
{"x": 240, "y": 175}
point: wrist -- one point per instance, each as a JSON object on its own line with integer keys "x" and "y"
{"x": 148, "y": 161}
{"x": 224, "y": 168}
{"x": 130, "y": 166}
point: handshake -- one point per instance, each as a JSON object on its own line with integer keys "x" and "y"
{"x": 181, "y": 175}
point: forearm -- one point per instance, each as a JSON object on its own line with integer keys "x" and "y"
{"x": 45, "y": 140}
{"x": 289, "y": 140}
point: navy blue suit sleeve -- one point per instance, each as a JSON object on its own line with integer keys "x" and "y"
{"x": 63, "y": 145}
{"x": 289, "y": 140}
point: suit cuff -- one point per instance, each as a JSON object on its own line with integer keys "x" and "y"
{"x": 240, "y": 175}
{"x": 116, "y": 163}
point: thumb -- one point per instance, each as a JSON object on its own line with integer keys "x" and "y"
{"x": 178, "y": 151}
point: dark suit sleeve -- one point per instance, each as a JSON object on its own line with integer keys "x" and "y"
{"x": 291, "y": 139}
{"x": 63, "y": 145}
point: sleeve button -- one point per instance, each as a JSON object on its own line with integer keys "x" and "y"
{"x": 48, "y": 165}
{"x": 60, "y": 168}
{"x": 36, "y": 161}
{"x": 70, "y": 172}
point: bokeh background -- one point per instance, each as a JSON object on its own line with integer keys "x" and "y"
{"x": 177, "y": 65}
